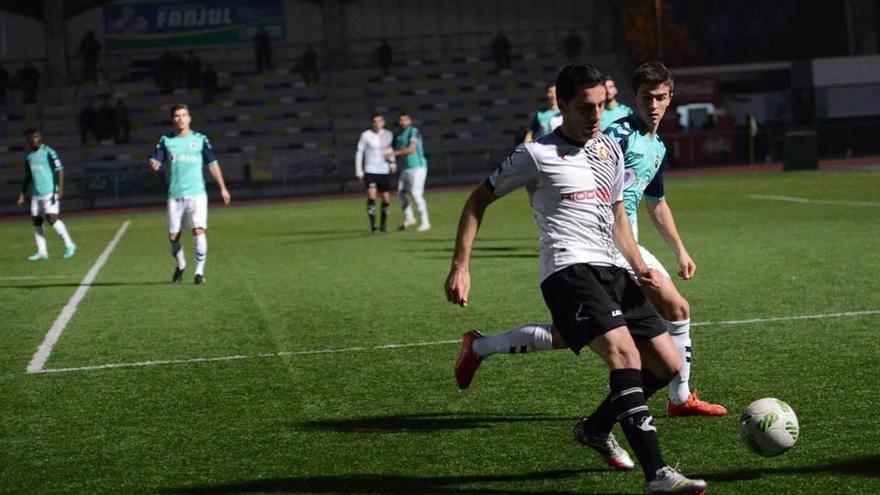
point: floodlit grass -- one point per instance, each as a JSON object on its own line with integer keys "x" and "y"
{"x": 307, "y": 276}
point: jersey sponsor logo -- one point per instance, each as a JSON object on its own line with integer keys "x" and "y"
{"x": 603, "y": 195}
{"x": 185, "y": 158}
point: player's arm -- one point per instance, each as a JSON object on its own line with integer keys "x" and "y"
{"x": 25, "y": 184}
{"x": 359, "y": 159}
{"x": 58, "y": 170}
{"x": 533, "y": 129}
{"x": 458, "y": 282}
{"x": 160, "y": 154}
{"x": 661, "y": 216}
{"x": 214, "y": 167}
{"x": 626, "y": 243}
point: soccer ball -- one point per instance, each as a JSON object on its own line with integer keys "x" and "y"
{"x": 768, "y": 427}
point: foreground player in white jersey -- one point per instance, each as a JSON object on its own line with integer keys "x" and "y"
{"x": 373, "y": 168}
{"x": 45, "y": 171}
{"x": 574, "y": 178}
{"x": 186, "y": 153}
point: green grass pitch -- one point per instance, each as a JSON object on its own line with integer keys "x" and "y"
{"x": 284, "y": 280}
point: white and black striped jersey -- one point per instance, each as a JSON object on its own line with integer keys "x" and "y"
{"x": 572, "y": 187}
{"x": 371, "y": 149}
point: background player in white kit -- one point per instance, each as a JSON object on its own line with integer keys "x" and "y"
{"x": 575, "y": 181}
{"x": 44, "y": 170}
{"x": 186, "y": 153}
{"x": 373, "y": 168}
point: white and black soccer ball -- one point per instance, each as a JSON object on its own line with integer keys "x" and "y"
{"x": 768, "y": 427}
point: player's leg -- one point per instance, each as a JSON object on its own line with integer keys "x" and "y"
{"x": 52, "y": 209}
{"x": 175, "y": 223}
{"x": 675, "y": 309}
{"x": 370, "y": 183}
{"x": 37, "y": 219}
{"x": 197, "y": 211}
{"x": 404, "y": 187}
{"x": 418, "y": 192}
{"x": 385, "y": 191}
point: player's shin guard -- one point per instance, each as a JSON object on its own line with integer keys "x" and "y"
{"x": 631, "y": 411}
{"x": 61, "y": 229}
{"x": 679, "y": 389}
{"x": 384, "y": 218}
{"x": 177, "y": 254}
{"x": 40, "y": 240}
{"x": 200, "y": 242}
{"x": 371, "y": 212}
{"x": 525, "y": 338}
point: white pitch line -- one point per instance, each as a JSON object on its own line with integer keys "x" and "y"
{"x": 45, "y": 349}
{"x": 32, "y": 277}
{"x": 793, "y": 199}
{"x": 142, "y": 364}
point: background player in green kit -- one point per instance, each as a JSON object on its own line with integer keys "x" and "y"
{"x": 187, "y": 152}
{"x": 643, "y": 176}
{"x": 614, "y": 110}
{"x": 545, "y": 120}
{"x": 45, "y": 171}
{"x": 409, "y": 144}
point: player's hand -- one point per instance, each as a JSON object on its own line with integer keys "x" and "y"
{"x": 360, "y": 178}
{"x": 59, "y": 195}
{"x": 154, "y": 166}
{"x": 651, "y": 278}
{"x": 687, "y": 267}
{"x": 20, "y": 200}
{"x": 389, "y": 155}
{"x": 393, "y": 167}
{"x": 226, "y": 197}
{"x": 458, "y": 285}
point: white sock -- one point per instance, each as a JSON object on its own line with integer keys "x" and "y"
{"x": 177, "y": 253}
{"x": 525, "y": 338}
{"x": 41, "y": 240}
{"x": 201, "y": 246}
{"x": 62, "y": 231}
{"x": 423, "y": 207}
{"x": 679, "y": 389}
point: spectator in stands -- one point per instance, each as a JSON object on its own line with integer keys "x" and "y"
{"x": 384, "y": 56}
{"x": 572, "y": 45}
{"x": 310, "y": 65}
{"x": 29, "y": 80}
{"x": 193, "y": 70}
{"x": 90, "y": 47}
{"x": 263, "y": 50}
{"x": 162, "y": 73}
{"x": 178, "y": 70}
{"x": 501, "y": 51}
{"x": 4, "y": 84}
{"x": 123, "y": 125}
{"x": 88, "y": 120}
{"x": 106, "y": 125}
{"x": 209, "y": 84}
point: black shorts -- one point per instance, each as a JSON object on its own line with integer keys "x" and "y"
{"x": 382, "y": 182}
{"x": 586, "y": 301}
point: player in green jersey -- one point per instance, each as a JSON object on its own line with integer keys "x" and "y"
{"x": 409, "y": 144}
{"x": 45, "y": 172}
{"x": 544, "y": 121}
{"x": 614, "y": 110}
{"x": 186, "y": 153}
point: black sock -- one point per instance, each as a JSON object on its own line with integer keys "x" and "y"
{"x": 371, "y": 212}
{"x": 603, "y": 418}
{"x": 384, "y": 214}
{"x": 628, "y": 404}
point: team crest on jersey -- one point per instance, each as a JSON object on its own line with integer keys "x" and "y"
{"x": 656, "y": 162}
{"x": 193, "y": 145}
{"x": 604, "y": 153}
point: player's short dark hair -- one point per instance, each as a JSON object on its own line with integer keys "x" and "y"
{"x": 573, "y": 76}
{"x": 606, "y": 78}
{"x": 651, "y": 73}
{"x": 30, "y": 131}
{"x": 179, "y": 106}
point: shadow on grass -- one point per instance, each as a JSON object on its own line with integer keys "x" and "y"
{"x": 856, "y": 466}
{"x": 96, "y": 284}
{"x": 423, "y": 423}
{"x": 388, "y": 484}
